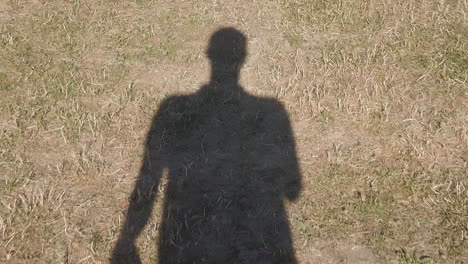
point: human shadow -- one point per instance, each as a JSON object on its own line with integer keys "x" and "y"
{"x": 230, "y": 161}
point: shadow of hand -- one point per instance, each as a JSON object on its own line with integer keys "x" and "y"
{"x": 125, "y": 252}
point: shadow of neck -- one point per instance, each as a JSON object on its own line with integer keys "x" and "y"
{"x": 224, "y": 76}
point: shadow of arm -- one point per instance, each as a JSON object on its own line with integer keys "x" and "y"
{"x": 143, "y": 196}
{"x": 293, "y": 183}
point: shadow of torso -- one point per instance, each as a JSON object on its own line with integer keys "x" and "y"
{"x": 231, "y": 162}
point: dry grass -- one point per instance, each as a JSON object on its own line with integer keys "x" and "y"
{"x": 376, "y": 90}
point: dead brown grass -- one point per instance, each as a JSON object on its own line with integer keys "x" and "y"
{"x": 376, "y": 90}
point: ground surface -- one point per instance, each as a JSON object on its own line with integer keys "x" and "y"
{"x": 376, "y": 92}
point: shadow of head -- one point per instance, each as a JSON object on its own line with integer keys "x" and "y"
{"x": 227, "y": 50}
